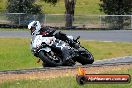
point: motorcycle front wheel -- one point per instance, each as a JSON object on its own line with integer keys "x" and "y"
{"x": 50, "y": 59}
{"x": 86, "y": 58}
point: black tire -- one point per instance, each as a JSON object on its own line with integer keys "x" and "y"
{"x": 86, "y": 58}
{"x": 70, "y": 62}
{"x": 81, "y": 80}
{"x": 47, "y": 61}
{"x": 45, "y": 65}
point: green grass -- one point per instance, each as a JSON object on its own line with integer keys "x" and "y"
{"x": 104, "y": 50}
{"x": 15, "y": 52}
{"x": 63, "y": 82}
{"x": 82, "y": 7}
{"x": 2, "y": 5}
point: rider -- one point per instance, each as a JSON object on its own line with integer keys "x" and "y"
{"x": 44, "y": 31}
{"x": 37, "y": 29}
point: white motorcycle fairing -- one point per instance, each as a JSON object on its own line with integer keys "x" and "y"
{"x": 47, "y": 49}
{"x": 38, "y": 40}
{"x": 70, "y": 37}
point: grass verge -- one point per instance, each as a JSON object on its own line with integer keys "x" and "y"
{"x": 64, "y": 82}
{"x": 15, "y": 52}
{"x": 105, "y": 50}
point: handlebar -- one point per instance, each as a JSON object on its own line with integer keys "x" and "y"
{"x": 77, "y": 38}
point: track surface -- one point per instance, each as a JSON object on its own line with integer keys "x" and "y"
{"x": 101, "y": 63}
{"x": 114, "y": 35}
{"x": 127, "y": 59}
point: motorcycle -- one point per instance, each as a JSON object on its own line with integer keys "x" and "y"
{"x": 52, "y": 50}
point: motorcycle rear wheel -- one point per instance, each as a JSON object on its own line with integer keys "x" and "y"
{"x": 48, "y": 59}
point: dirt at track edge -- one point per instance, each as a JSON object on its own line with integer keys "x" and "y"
{"x": 60, "y": 73}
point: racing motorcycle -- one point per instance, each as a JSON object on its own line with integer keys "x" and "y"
{"x": 52, "y": 50}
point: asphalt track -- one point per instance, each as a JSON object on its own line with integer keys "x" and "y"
{"x": 126, "y": 59}
{"x": 113, "y": 35}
